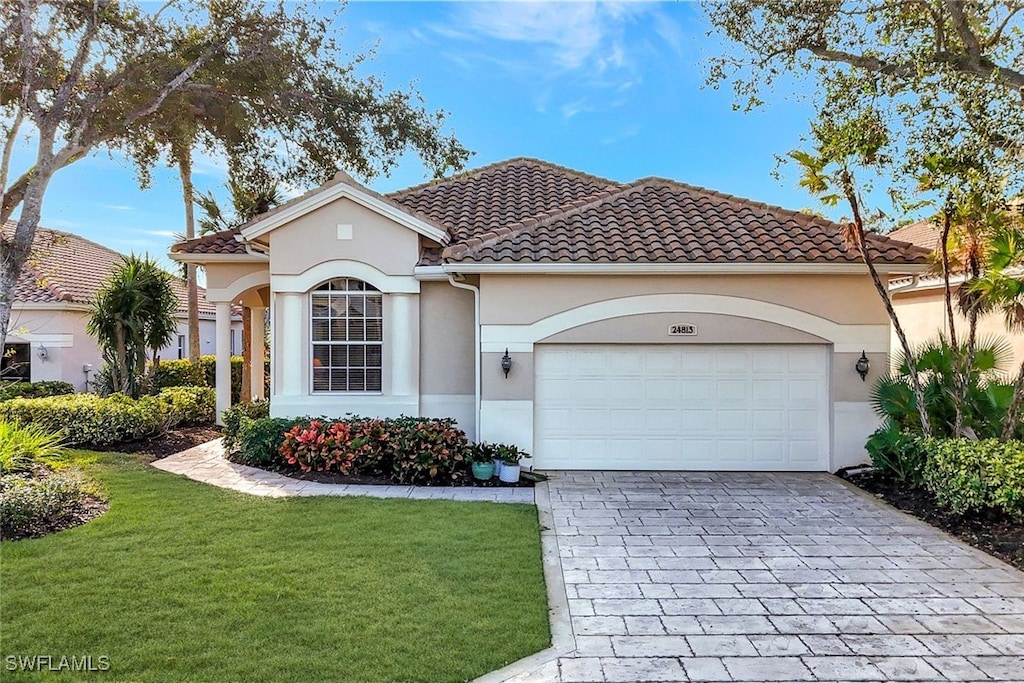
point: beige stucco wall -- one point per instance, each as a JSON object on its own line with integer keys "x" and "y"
{"x": 313, "y": 239}
{"x": 62, "y": 333}
{"x": 523, "y": 299}
{"x": 221, "y": 275}
{"x": 446, "y": 340}
{"x": 923, "y": 316}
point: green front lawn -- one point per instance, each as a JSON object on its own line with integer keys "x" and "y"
{"x": 182, "y": 581}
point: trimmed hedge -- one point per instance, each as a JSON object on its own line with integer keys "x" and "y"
{"x": 34, "y": 389}
{"x": 973, "y": 476}
{"x": 90, "y": 420}
{"x": 190, "y": 405}
{"x": 182, "y": 373}
{"x": 233, "y": 416}
{"x": 259, "y": 440}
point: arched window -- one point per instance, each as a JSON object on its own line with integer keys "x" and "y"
{"x": 347, "y": 335}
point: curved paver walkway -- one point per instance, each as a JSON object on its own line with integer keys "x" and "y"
{"x": 206, "y": 463}
{"x": 764, "y": 577}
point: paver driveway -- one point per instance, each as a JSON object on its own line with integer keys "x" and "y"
{"x": 771, "y": 577}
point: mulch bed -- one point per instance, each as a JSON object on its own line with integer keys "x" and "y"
{"x": 89, "y": 508}
{"x": 170, "y": 442}
{"x": 997, "y": 535}
{"x": 464, "y": 478}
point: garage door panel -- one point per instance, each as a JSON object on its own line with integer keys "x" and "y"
{"x": 682, "y": 407}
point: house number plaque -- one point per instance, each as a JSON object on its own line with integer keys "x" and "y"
{"x": 682, "y": 330}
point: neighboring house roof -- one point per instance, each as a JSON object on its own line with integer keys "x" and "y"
{"x": 525, "y": 210}
{"x": 924, "y": 234}
{"x": 69, "y": 268}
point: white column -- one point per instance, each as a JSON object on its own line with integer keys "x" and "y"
{"x": 223, "y": 337}
{"x": 288, "y": 343}
{"x": 403, "y": 347}
{"x": 257, "y": 350}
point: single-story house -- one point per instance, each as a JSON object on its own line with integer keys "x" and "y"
{"x": 921, "y": 305}
{"x": 597, "y": 325}
{"x": 47, "y": 338}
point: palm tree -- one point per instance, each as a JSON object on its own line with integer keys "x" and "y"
{"x": 132, "y": 317}
{"x": 1001, "y": 288}
{"x": 248, "y": 200}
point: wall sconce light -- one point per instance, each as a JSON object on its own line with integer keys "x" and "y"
{"x": 506, "y": 363}
{"x": 42, "y": 353}
{"x": 862, "y": 366}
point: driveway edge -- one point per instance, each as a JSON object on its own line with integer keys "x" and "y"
{"x": 562, "y": 639}
{"x": 917, "y": 520}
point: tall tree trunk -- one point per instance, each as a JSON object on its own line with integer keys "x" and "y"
{"x": 246, "y": 354}
{"x": 191, "y": 283}
{"x": 1013, "y": 414}
{"x": 883, "y": 292}
{"x": 961, "y": 367}
{"x": 15, "y": 252}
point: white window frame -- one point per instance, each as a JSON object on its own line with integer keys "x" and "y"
{"x": 367, "y": 291}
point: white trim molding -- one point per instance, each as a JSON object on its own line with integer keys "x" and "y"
{"x": 845, "y": 338}
{"x": 214, "y": 258}
{"x": 678, "y": 268}
{"x": 342, "y": 191}
{"x": 51, "y": 341}
{"x": 238, "y": 287}
{"x": 313, "y": 276}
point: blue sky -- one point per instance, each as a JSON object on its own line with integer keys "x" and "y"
{"x": 613, "y": 89}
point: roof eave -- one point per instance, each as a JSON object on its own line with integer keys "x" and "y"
{"x": 678, "y": 268}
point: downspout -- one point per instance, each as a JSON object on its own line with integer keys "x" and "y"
{"x": 476, "y": 342}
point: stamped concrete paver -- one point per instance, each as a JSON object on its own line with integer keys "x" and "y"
{"x": 770, "y": 577}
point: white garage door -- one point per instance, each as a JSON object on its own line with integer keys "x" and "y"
{"x": 692, "y": 407}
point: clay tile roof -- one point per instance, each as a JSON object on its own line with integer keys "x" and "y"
{"x": 661, "y": 221}
{"x": 69, "y": 268}
{"x": 222, "y": 242}
{"x": 499, "y": 194}
{"x": 922, "y": 233}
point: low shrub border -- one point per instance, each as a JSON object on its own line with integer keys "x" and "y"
{"x": 89, "y": 420}
{"x": 34, "y": 389}
{"x": 403, "y": 450}
{"x": 971, "y": 489}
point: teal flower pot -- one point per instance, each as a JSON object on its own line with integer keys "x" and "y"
{"x": 483, "y": 470}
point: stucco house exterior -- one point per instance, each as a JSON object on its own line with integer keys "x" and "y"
{"x": 597, "y": 325}
{"x": 920, "y": 303}
{"x": 47, "y": 339}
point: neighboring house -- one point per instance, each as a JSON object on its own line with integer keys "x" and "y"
{"x": 921, "y": 305}
{"x": 598, "y": 325}
{"x": 47, "y": 338}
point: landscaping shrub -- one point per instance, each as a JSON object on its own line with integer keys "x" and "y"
{"x": 974, "y": 476}
{"x": 190, "y": 405}
{"x": 21, "y": 447}
{"x": 897, "y": 453}
{"x": 90, "y": 420}
{"x": 259, "y": 440}
{"x": 425, "y": 449}
{"x": 183, "y": 373}
{"x": 179, "y": 373}
{"x": 407, "y": 450}
{"x": 34, "y": 389}
{"x": 319, "y": 446}
{"x": 29, "y": 504}
{"x": 232, "y": 418}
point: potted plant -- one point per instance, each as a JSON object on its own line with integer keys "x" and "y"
{"x": 481, "y": 458}
{"x": 510, "y": 457}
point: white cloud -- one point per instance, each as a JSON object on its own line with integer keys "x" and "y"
{"x": 116, "y": 207}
